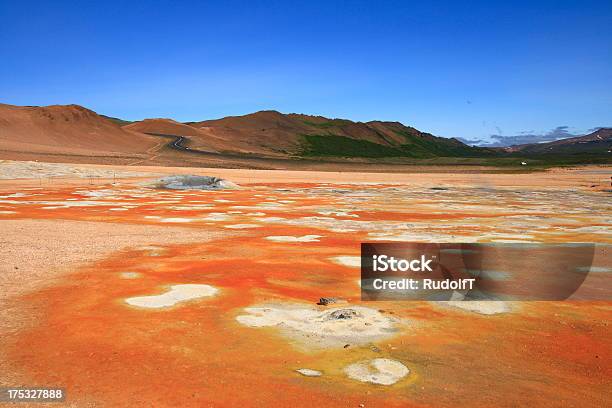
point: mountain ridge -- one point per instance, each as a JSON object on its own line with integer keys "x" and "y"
{"x": 76, "y": 130}
{"x": 597, "y": 142}
{"x": 277, "y": 134}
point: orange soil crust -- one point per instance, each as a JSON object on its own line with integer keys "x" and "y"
{"x": 105, "y": 352}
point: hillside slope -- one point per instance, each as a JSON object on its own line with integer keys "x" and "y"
{"x": 66, "y": 129}
{"x": 74, "y": 133}
{"x": 274, "y": 134}
{"x": 200, "y": 138}
{"x": 163, "y": 126}
{"x": 598, "y": 142}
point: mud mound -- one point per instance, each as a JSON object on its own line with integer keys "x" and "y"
{"x": 187, "y": 182}
{"x": 315, "y": 328}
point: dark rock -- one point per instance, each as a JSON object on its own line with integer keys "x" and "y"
{"x": 324, "y": 301}
{"x": 343, "y": 314}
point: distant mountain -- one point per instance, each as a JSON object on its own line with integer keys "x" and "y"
{"x": 598, "y": 142}
{"x": 29, "y": 132}
{"x": 275, "y": 134}
{"x": 66, "y": 129}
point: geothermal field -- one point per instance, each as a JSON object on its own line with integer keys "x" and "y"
{"x": 125, "y": 292}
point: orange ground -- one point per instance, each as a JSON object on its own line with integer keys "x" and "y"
{"x": 107, "y": 353}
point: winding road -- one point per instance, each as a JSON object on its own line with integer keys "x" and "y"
{"x": 177, "y": 143}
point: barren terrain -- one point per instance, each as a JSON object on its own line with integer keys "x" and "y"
{"x": 67, "y": 130}
{"x": 131, "y": 296}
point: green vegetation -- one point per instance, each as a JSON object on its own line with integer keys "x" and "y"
{"x": 553, "y": 160}
{"x": 340, "y": 146}
{"x": 436, "y": 151}
{"x": 329, "y": 124}
{"x": 435, "y": 146}
{"x": 415, "y": 147}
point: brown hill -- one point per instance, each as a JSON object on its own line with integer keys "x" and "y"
{"x": 200, "y": 138}
{"x": 66, "y": 130}
{"x": 163, "y": 126}
{"x": 272, "y": 133}
{"x": 598, "y": 142}
{"x": 61, "y": 131}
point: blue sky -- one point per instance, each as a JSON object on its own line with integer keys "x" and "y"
{"x": 455, "y": 69}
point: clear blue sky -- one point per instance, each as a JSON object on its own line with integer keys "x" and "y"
{"x": 467, "y": 69}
